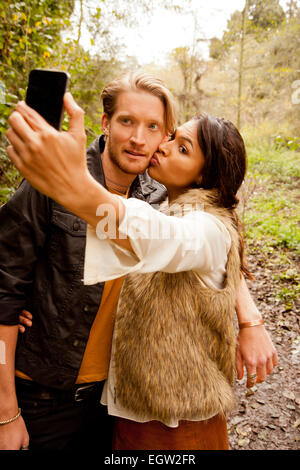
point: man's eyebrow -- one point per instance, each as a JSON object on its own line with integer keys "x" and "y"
{"x": 157, "y": 121}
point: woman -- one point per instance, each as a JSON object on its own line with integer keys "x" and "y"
{"x": 173, "y": 356}
{"x": 171, "y": 371}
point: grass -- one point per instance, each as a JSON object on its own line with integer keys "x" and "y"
{"x": 270, "y": 210}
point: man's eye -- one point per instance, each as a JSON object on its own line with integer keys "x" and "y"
{"x": 126, "y": 121}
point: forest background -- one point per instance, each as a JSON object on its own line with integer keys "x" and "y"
{"x": 252, "y": 77}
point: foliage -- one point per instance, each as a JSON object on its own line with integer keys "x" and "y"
{"x": 29, "y": 31}
{"x": 216, "y": 48}
{"x": 272, "y": 211}
{"x": 291, "y": 143}
{"x": 264, "y": 14}
{"x": 262, "y": 18}
{"x": 9, "y": 176}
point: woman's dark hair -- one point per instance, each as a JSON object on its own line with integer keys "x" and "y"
{"x": 224, "y": 168}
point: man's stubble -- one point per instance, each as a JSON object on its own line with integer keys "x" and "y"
{"x": 113, "y": 155}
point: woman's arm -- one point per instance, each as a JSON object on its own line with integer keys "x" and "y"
{"x": 255, "y": 349}
{"x": 13, "y": 435}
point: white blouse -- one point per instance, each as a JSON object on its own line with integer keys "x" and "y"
{"x": 196, "y": 241}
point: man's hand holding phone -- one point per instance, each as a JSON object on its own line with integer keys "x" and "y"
{"x": 53, "y": 162}
{"x": 45, "y": 93}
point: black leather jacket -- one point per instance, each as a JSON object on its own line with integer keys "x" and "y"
{"x": 42, "y": 248}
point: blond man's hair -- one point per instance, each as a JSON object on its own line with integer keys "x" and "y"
{"x": 139, "y": 81}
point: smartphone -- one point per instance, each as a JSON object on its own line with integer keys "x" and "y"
{"x": 45, "y": 92}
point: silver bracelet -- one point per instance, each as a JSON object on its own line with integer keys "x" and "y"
{"x": 11, "y": 419}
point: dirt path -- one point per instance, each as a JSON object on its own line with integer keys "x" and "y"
{"x": 267, "y": 416}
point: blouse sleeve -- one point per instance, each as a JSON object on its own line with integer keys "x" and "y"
{"x": 197, "y": 241}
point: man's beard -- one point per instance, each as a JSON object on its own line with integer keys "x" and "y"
{"x": 115, "y": 160}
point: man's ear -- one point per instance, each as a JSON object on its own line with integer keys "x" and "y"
{"x": 105, "y": 124}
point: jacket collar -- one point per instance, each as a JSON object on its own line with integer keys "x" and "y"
{"x": 94, "y": 161}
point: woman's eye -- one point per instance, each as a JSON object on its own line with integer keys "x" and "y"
{"x": 153, "y": 126}
{"x": 183, "y": 149}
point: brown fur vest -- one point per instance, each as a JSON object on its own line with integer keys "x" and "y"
{"x": 175, "y": 340}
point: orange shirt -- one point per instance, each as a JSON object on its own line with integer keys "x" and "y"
{"x": 95, "y": 362}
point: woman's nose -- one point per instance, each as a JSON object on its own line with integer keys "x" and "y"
{"x": 163, "y": 148}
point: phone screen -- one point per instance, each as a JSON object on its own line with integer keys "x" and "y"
{"x": 45, "y": 92}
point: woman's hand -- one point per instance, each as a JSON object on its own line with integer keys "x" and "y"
{"x": 25, "y": 319}
{"x": 257, "y": 353}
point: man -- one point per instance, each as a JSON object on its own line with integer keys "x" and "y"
{"x": 62, "y": 360}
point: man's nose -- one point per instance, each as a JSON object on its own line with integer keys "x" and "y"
{"x": 138, "y": 136}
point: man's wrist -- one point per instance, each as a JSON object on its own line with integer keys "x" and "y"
{"x": 73, "y": 197}
{"x": 82, "y": 199}
{"x": 89, "y": 197}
